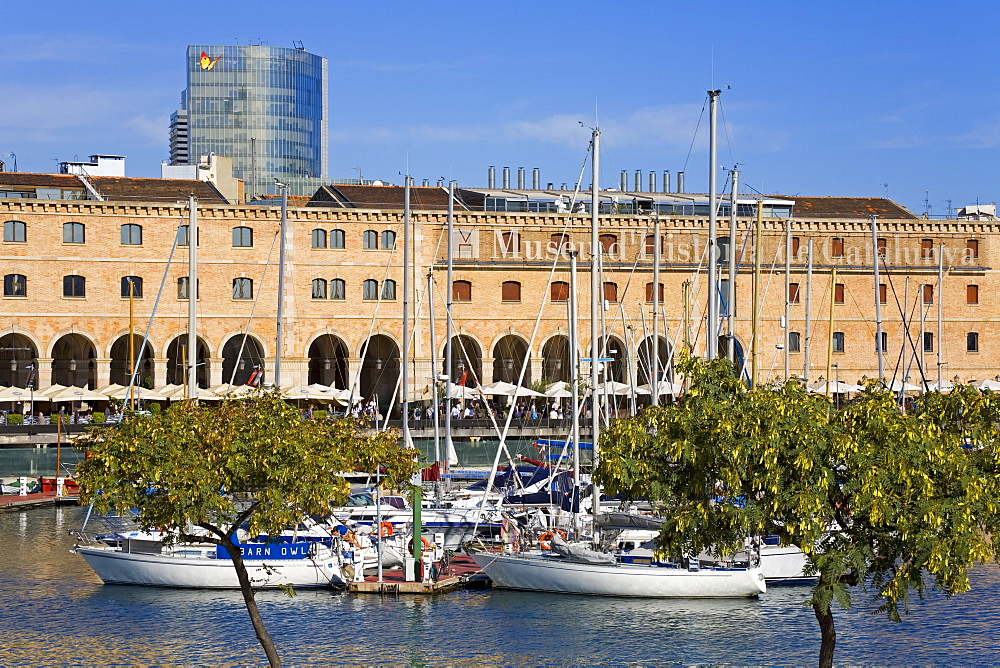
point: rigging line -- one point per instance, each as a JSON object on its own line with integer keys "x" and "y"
{"x": 534, "y": 332}
{"x": 763, "y": 295}
{"x": 725, "y": 126}
{"x": 915, "y": 357}
{"x": 152, "y": 314}
{"x": 246, "y": 332}
{"x": 902, "y": 315}
{"x": 694, "y": 137}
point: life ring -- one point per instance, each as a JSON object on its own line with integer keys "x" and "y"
{"x": 426, "y": 548}
{"x": 543, "y": 540}
{"x": 385, "y": 529}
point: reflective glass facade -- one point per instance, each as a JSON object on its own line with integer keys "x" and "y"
{"x": 263, "y": 106}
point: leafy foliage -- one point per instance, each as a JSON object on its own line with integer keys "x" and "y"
{"x": 873, "y": 495}
{"x": 194, "y": 464}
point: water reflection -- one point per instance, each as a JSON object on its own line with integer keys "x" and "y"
{"x": 56, "y": 611}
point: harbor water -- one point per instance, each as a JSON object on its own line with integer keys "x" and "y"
{"x": 55, "y": 612}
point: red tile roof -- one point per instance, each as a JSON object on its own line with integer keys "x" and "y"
{"x": 65, "y": 181}
{"x": 848, "y": 207}
{"x": 168, "y": 191}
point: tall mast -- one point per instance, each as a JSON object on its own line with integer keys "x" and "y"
{"x": 755, "y": 317}
{"x": 574, "y": 382}
{"x": 654, "y": 361}
{"x": 878, "y": 305}
{"x": 281, "y": 283}
{"x": 434, "y": 379}
{"x": 731, "y": 270}
{"x": 940, "y": 311}
{"x": 711, "y": 331}
{"x": 595, "y": 303}
{"x": 788, "y": 287}
{"x": 192, "y": 338}
{"x": 405, "y": 371}
{"x": 449, "y": 447}
{"x": 808, "y": 333}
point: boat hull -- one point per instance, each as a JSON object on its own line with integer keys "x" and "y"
{"x": 544, "y": 573}
{"x": 114, "y": 566}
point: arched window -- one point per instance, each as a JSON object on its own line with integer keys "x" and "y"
{"x": 74, "y": 286}
{"x": 131, "y": 234}
{"x": 136, "y": 286}
{"x": 609, "y": 243}
{"x": 388, "y": 239}
{"x": 559, "y": 291}
{"x": 371, "y": 240}
{"x": 15, "y": 285}
{"x": 337, "y": 239}
{"x": 14, "y": 230}
{"x": 388, "y": 290}
{"x": 510, "y": 291}
{"x": 649, "y": 293}
{"x": 242, "y": 288}
{"x": 369, "y": 289}
{"x": 319, "y": 288}
{"x": 242, "y": 237}
{"x": 559, "y": 242}
{"x": 319, "y": 238}
{"x": 461, "y": 291}
{"x": 510, "y": 242}
{"x": 182, "y": 287}
{"x": 611, "y": 292}
{"x": 73, "y": 233}
{"x": 338, "y": 289}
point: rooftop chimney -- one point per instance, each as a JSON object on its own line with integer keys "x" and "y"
{"x": 623, "y": 186}
{"x": 491, "y": 178}
{"x": 506, "y": 178}
{"x": 680, "y": 182}
{"x": 535, "y": 176}
{"x": 520, "y": 178}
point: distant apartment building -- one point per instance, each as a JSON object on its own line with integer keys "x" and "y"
{"x": 263, "y": 107}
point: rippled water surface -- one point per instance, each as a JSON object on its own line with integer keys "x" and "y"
{"x": 55, "y": 611}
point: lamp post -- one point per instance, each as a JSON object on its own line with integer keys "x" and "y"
{"x": 836, "y": 384}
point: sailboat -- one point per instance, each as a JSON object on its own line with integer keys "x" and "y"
{"x": 309, "y": 555}
{"x": 555, "y": 565}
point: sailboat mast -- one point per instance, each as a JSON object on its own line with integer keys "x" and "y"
{"x": 434, "y": 401}
{"x": 595, "y": 303}
{"x": 654, "y": 363}
{"x": 192, "y": 338}
{"x": 940, "y": 311}
{"x": 878, "y": 304}
{"x": 808, "y": 332}
{"x": 755, "y": 317}
{"x": 405, "y": 369}
{"x": 731, "y": 269}
{"x": 449, "y": 447}
{"x": 788, "y": 288}
{"x": 281, "y": 283}
{"x": 711, "y": 331}
{"x": 574, "y": 382}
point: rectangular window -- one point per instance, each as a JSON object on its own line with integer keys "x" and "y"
{"x": 885, "y": 342}
{"x": 928, "y": 342}
{"x": 795, "y": 247}
{"x": 972, "y": 342}
{"x": 837, "y": 247}
{"x": 838, "y": 293}
{"x": 793, "y": 293}
{"x": 74, "y": 286}
{"x": 338, "y": 289}
{"x": 182, "y": 287}
{"x": 794, "y": 342}
{"x": 972, "y": 249}
{"x": 928, "y": 291}
{"x": 242, "y": 288}
{"x": 510, "y": 291}
{"x": 883, "y": 294}
{"x": 971, "y": 294}
{"x": 926, "y": 248}
{"x": 838, "y": 342}
{"x": 880, "y": 244}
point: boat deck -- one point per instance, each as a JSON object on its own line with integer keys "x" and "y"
{"x": 461, "y": 573}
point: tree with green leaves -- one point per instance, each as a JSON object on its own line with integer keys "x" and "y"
{"x": 884, "y": 499}
{"x": 250, "y": 460}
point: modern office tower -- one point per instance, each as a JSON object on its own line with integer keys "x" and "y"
{"x": 264, "y": 107}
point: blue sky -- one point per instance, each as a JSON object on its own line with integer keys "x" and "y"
{"x": 846, "y": 98}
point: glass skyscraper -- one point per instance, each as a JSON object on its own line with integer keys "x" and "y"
{"x": 265, "y": 108}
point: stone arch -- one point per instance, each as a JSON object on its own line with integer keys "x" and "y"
{"x": 617, "y": 369}
{"x": 74, "y": 361}
{"x": 121, "y": 360}
{"x": 328, "y": 361}
{"x": 556, "y": 364}
{"x": 509, "y": 353}
{"x": 380, "y": 372}
{"x": 177, "y": 361}
{"x": 644, "y": 360}
{"x": 241, "y": 357}
{"x": 18, "y": 360}
{"x": 466, "y": 359}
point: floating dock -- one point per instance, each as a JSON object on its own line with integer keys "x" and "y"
{"x": 35, "y": 500}
{"x": 461, "y": 572}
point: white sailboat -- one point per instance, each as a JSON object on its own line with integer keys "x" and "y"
{"x": 557, "y": 566}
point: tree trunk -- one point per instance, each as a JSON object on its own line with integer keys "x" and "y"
{"x": 248, "y": 597}
{"x": 824, "y": 615}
